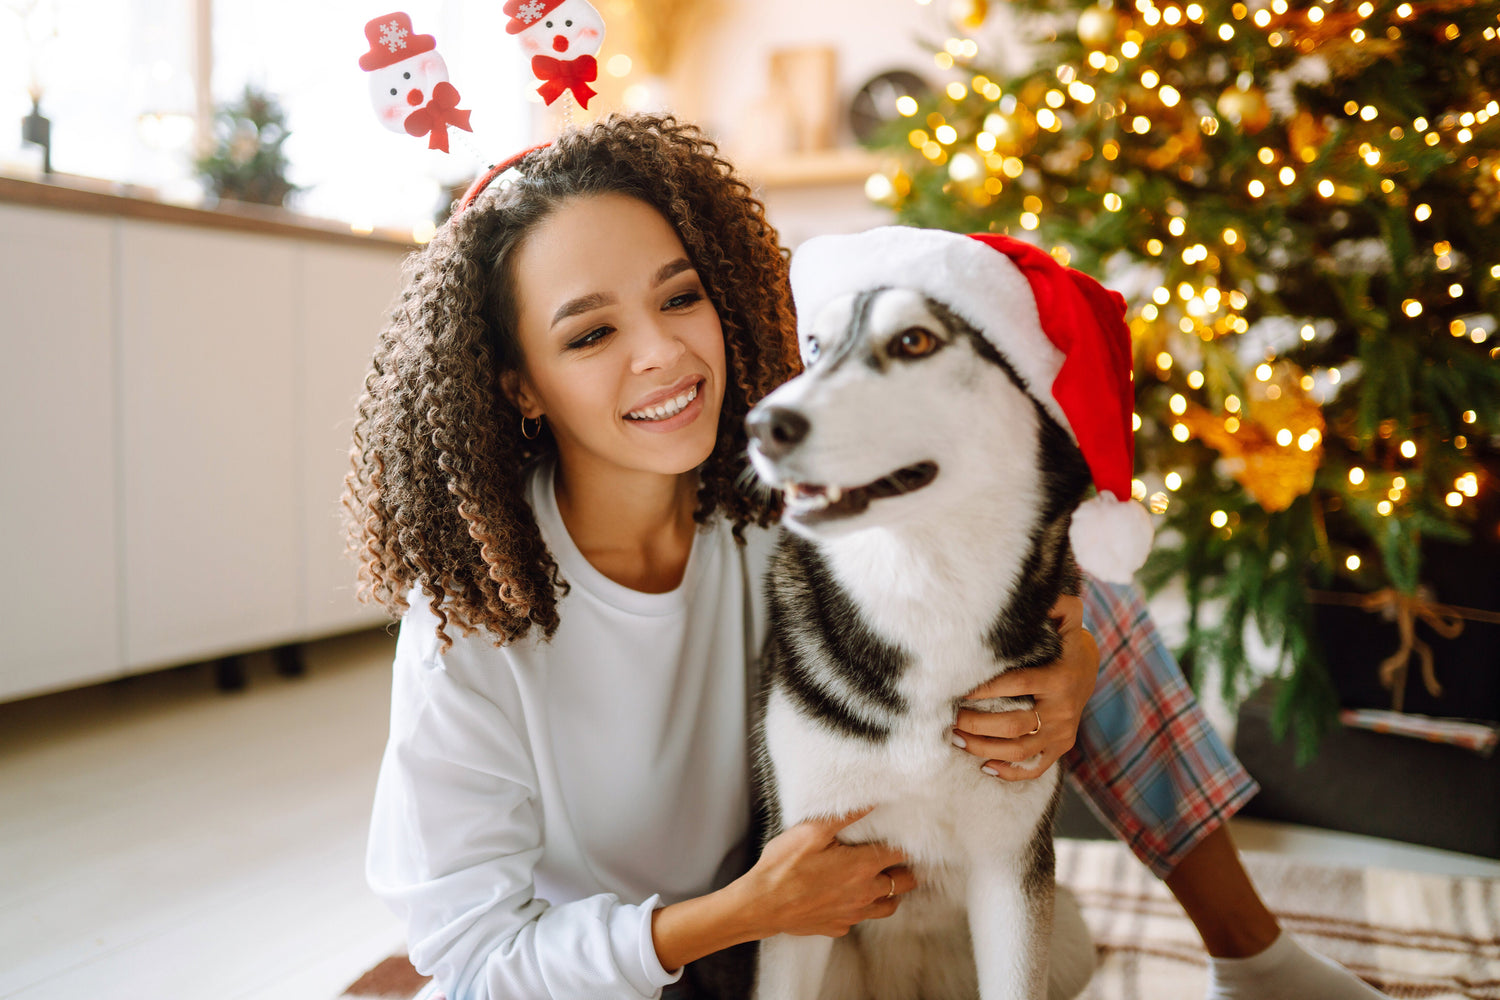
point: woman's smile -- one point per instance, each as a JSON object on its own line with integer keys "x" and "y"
{"x": 670, "y": 409}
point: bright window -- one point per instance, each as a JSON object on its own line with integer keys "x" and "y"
{"x": 118, "y": 78}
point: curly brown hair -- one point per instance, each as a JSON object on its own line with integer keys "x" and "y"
{"x": 436, "y": 496}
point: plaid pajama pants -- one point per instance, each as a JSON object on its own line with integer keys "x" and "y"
{"x": 1147, "y": 759}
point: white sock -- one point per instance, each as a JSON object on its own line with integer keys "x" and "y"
{"x": 1284, "y": 971}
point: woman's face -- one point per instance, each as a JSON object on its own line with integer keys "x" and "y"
{"x": 621, "y": 349}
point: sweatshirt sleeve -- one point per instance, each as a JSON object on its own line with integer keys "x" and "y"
{"x": 455, "y": 835}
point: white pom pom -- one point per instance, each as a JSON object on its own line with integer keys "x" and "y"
{"x": 1111, "y": 537}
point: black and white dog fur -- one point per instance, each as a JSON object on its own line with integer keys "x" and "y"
{"x": 928, "y": 498}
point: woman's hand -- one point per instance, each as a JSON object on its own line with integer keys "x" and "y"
{"x": 1060, "y": 691}
{"x": 806, "y": 882}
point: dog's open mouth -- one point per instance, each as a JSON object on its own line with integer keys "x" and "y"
{"x": 806, "y": 502}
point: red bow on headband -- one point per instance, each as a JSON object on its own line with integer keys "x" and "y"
{"x": 436, "y": 115}
{"x": 558, "y": 75}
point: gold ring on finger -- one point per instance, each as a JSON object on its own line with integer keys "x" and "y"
{"x": 1038, "y": 723}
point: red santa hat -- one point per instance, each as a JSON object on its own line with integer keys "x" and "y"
{"x": 391, "y": 40}
{"x": 525, "y": 13}
{"x": 1062, "y": 331}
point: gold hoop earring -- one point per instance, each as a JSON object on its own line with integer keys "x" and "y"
{"x": 537, "y": 434}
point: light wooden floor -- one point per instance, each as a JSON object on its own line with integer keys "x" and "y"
{"x": 161, "y": 840}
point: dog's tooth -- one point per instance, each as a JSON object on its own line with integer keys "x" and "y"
{"x": 834, "y": 494}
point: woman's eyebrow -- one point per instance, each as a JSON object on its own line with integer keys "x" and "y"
{"x": 671, "y": 269}
{"x": 582, "y": 304}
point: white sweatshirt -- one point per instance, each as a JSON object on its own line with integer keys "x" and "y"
{"x": 538, "y": 801}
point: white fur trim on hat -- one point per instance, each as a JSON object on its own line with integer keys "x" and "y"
{"x": 1111, "y": 537}
{"x": 982, "y": 286}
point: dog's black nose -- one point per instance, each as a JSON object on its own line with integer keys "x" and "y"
{"x": 776, "y": 429}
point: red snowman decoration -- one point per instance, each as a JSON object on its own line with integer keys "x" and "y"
{"x": 562, "y": 37}
{"x": 409, "y": 85}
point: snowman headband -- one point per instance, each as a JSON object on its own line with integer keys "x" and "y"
{"x": 408, "y": 79}
{"x": 483, "y": 180}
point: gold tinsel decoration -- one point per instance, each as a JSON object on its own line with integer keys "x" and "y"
{"x": 968, "y": 15}
{"x": 1274, "y": 474}
{"x": 1182, "y": 147}
{"x": 1306, "y": 132}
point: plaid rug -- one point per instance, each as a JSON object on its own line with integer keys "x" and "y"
{"x": 1412, "y": 936}
{"x": 1409, "y": 935}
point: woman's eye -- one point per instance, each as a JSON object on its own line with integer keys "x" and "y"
{"x": 684, "y": 299}
{"x": 589, "y": 339}
{"x": 913, "y": 343}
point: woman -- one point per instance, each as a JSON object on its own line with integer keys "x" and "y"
{"x": 547, "y": 484}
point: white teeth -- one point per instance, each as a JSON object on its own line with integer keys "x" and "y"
{"x": 803, "y": 501}
{"x": 662, "y": 411}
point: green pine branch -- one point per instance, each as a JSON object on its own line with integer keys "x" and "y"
{"x": 1366, "y": 211}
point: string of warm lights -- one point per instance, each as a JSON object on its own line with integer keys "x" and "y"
{"x": 1128, "y": 94}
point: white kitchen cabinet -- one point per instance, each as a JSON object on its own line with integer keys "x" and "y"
{"x": 177, "y": 399}
{"x": 59, "y": 566}
{"x": 209, "y": 370}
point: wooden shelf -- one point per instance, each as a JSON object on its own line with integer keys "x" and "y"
{"x": 233, "y": 216}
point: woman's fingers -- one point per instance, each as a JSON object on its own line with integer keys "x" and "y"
{"x": 1024, "y": 770}
{"x": 1021, "y": 682}
{"x": 1007, "y": 749}
{"x": 888, "y": 888}
{"x": 997, "y": 725}
{"x": 895, "y": 882}
{"x": 878, "y": 857}
{"x": 1068, "y": 611}
{"x": 828, "y": 827}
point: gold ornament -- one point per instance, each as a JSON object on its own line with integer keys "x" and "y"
{"x": 1014, "y": 133}
{"x": 1097, "y": 27}
{"x": 1246, "y": 108}
{"x": 1275, "y": 474}
{"x": 969, "y": 14}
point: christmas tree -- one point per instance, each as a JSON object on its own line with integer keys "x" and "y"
{"x": 246, "y": 162}
{"x": 1299, "y": 202}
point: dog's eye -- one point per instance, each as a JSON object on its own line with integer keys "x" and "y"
{"x": 812, "y": 350}
{"x": 913, "y": 343}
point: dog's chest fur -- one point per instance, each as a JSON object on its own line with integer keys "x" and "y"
{"x": 874, "y": 641}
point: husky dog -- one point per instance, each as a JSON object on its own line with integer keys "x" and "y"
{"x": 928, "y": 496}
